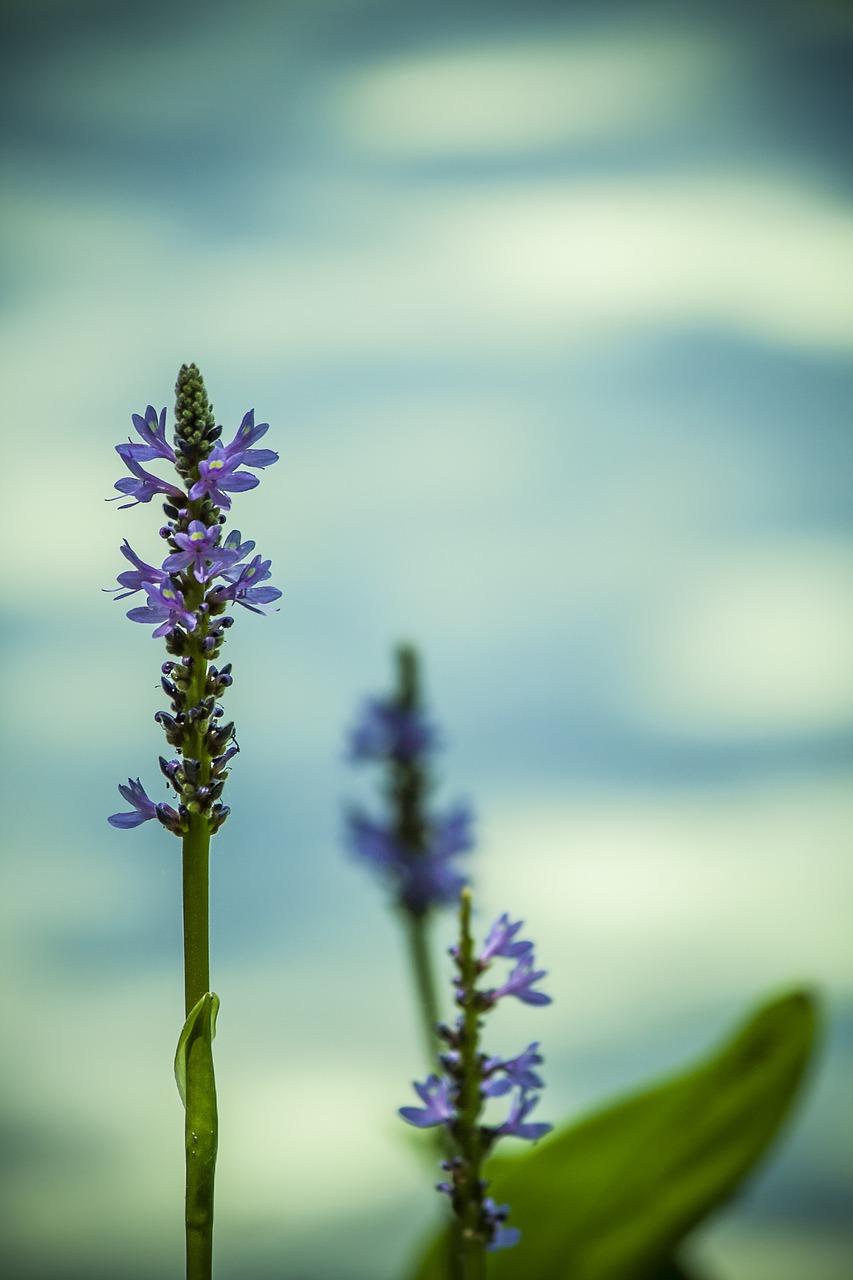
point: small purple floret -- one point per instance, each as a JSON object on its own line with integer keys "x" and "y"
{"x": 143, "y": 808}
{"x": 198, "y": 550}
{"x": 239, "y": 448}
{"x": 152, "y": 429}
{"x": 141, "y": 576}
{"x": 514, "y": 1072}
{"x": 520, "y": 983}
{"x": 243, "y": 588}
{"x": 515, "y": 1127}
{"x": 438, "y": 1108}
{"x": 495, "y": 1215}
{"x": 142, "y": 486}
{"x": 500, "y": 941}
{"x": 166, "y": 606}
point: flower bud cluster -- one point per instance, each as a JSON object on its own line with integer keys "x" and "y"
{"x": 457, "y": 1097}
{"x": 187, "y": 596}
{"x": 412, "y": 848}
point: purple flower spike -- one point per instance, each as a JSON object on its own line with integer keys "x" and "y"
{"x": 500, "y": 941}
{"x": 143, "y": 808}
{"x": 152, "y": 429}
{"x": 386, "y": 730}
{"x": 166, "y": 606}
{"x": 520, "y": 983}
{"x": 438, "y": 1108}
{"x": 515, "y": 1127}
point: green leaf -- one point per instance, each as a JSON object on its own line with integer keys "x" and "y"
{"x": 610, "y": 1197}
{"x": 197, "y": 1087}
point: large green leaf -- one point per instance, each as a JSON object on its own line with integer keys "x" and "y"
{"x": 610, "y": 1197}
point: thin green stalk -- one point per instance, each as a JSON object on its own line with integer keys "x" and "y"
{"x": 417, "y": 931}
{"x": 201, "y": 1116}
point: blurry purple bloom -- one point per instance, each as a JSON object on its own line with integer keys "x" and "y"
{"x": 165, "y": 605}
{"x": 516, "y": 1071}
{"x": 143, "y": 808}
{"x": 199, "y": 551}
{"x": 242, "y": 589}
{"x": 142, "y": 486}
{"x": 494, "y": 1216}
{"x": 514, "y": 1126}
{"x": 438, "y": 1109}
{"x": 153, "y": 431}
{"x": 520, "y": 983}
{"x": 500, "y": 941}
{"x": 386, "y": 729}
{"x": 422, "y": 878}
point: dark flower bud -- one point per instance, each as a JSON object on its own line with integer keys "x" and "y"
{"x": 218, "y": 814}
{"x": 218, "y": 737}
{"x": 171, "y": 820}
{"x": 191, "y": 770}
{"x": 173, "y": 730}
{"x": 171, "y": 769}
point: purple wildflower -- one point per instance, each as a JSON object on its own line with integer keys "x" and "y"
{"x": 500, "y": 941}
{"x": 143, "y": 808}
{"x": 520, "y": 983}
{"x": 435, "y": 1093}
{"x": 198, "y": 550}
{"x": 386, "y": 729}
{"x": 165, "y": 605}
{"x": 142, "y": 486}
{"x": 515, "y": 1127}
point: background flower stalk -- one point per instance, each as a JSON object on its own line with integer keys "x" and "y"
{"x": 413, "y": 847}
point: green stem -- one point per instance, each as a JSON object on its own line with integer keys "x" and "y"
{"x": 418, "y": 938}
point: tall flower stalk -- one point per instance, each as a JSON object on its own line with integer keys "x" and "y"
{"x": 187, "y": 598}
{"x": 456, "y": 1099}
{"x": 413, "y": 847}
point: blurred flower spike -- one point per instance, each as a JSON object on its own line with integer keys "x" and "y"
{"x": 413, "y": 848}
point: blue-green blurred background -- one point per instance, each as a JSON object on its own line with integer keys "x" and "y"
{"x": 550, "y": 307}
